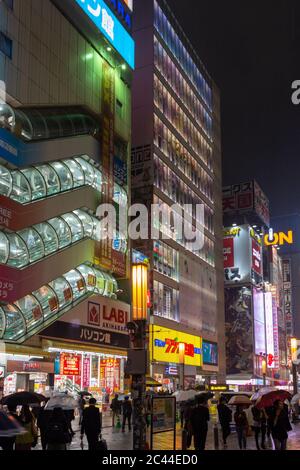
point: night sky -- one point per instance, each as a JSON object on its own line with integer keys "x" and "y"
{"x": 252, "y": 51}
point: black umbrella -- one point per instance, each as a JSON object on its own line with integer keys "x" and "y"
{"x": 23, "y": 398}
{"x": 85, "y": 394}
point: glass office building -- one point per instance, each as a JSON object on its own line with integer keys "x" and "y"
{"x": 176, "y": 160}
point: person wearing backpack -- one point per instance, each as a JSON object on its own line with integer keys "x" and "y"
{"x": 57, "y": 434}
{"x": 127, "y": 412}
{"x": 91, "y": 424}
{"x": 26, "y": 440}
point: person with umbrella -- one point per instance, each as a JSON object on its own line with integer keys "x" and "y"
{"x": 7, "y": 442}
{"x": 280, "y": 425}
{"x": 225, "y": 416}
{"x": 26, "y": 441}
{"x": 9, "y": 429}
{"x": 199, "y": 422}
{"x": 57, "y": 434}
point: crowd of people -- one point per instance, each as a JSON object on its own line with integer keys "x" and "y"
{"x": 54, "y": 427}
{"x": 261, "y": 423}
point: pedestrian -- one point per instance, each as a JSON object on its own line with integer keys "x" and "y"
{"x": 225, "y": 417}
{"x": 127, "y": 412}
{"x": 241, "y": 424}
{"x": 258, "y": 416}
{"x": 81, "y": 407}
{"x": 182, "y": 406}
{"x": 8, "y": 443}
{"x": 42, "y": 423}
{"x": 116, "y": 408}
{"x": 280, "y": 425}
{"x": 27, "y": 440}
{"x": 57, "y": 434}
{"x": 199, "y": 422}
{"x": 91, "y": 424}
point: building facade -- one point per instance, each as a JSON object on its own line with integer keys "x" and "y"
{"x": 256, "y": 347}
{"x": 65, "y": 132}
{"x": 176, "y": 160}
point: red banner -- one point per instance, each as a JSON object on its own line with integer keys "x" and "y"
{"x": 70, "y": 364}
{"x": 228, "y": 250}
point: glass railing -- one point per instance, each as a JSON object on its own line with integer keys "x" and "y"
{"x": 49, "y": 179}
{"x": 30, "y": 313}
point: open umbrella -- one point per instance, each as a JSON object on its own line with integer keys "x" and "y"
{"x": 267, "y": 400}
{"x": 295, "y": 399}
{"x": 23, "y": 398}
{"x": 84, "y": 394}
{"x": 184, "y": 395}
{"x": 239, "y": 400}
{"x": 9, "y": 426}
{"x": 61, "y": 400}
{"x": 150, "y": 382}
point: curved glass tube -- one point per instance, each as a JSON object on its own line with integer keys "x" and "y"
{"x": 31, "y": 311}
{"x": 36, "y": 182}
{"x": 34, "y": 244}
{"x": 77, "y": 283}
{"x": 88, "y": 170}
{"x": 75, "y": 226}
{"x": 15, "y": 324}
{"x": 48, "y": 301}
{"x": 51, "y": 179}
{"x": 4, "y": 248}
{"x": 21, "y": 190}
{"x": 18, "y": 253}
{"x": 64, "y": 174}
{"x": 62, "y": 231}
{"x": 49, "y": 237}
{"x": 88, "y": 223}
{"x": 5, "y": 181}
{"x": 77, "y": 172}
{"x": 89, "y": 276}
{"x": 63, "y": 291}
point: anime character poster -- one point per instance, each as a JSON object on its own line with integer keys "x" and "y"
{"x": 239, "y": 330}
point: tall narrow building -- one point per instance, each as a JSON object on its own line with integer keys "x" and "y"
{"x": 176, "y": 159}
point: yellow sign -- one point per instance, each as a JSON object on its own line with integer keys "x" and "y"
{"x": 218, "y": 388}
{"x": 232, "y": 232}
{"x": 165, "y": 346}
{"x": 279, "y": 238}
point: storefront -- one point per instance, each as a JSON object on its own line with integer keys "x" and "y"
{"x": 176, "y": 357}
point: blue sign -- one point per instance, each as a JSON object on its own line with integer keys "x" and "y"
{"x": 110, "y": 27}
{"x": 210, "y": 353}
{"x": 9, "y": 147}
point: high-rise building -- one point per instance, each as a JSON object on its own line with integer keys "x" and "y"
{"x": 65, "y": 130}
{"x": 256, "y": 347}
{"x": 176, "y": 159}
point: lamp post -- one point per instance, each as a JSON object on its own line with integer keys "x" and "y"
{"x": 138, "y": 344}
{"x": 294, "y": 347}
{"x": 264, "y": 370}
{"x": 181, "y": 349}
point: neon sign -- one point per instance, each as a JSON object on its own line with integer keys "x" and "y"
{"x": 279, "y": 238}
{"x": 105, "y": 20}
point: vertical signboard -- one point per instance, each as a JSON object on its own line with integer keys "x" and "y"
{"x": 275, "y": 328}
{"x": 86, "y": 370}
{"x": 287, "y": 288}
{"x": 103, "y": 249}
{"x": 239, "y": 330}
{"x": 259, "y": 321}
{"x": 269, "y": 329}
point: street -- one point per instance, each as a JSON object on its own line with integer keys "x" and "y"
{"x": 116, "y": 440}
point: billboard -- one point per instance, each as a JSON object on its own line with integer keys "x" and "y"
{"x": 70, "y": 364}
{"x": 164, "y": 346}
{"x": 261, "y": 204}
{"x": 239, "y": 330}
{"x": 210, "y": 353}
{"x": 242, "y": 248}
{"x": 269, "y": 328}
{"x": 259, "y": 321}
{"x": 108, "y": 24}
{"x": 287, "y": 292}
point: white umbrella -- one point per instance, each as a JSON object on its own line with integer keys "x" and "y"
{"x": 184, "y": 395}
{"x": 295, "y": 399}
{"x": 61, "y": 400}
{"x": 239, "y": 400}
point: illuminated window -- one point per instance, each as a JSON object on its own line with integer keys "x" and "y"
{"x": 76, "y": 281}
{"x": 51, "y": 179}
{"x": 31, "y": 311}
{"x": 34, "y": 244}
{"x": 36, "y": 182}
{"x": 64, "y": 174}
{"x": 62, "y": 231}
{"x": 63, "y": 291}
{"x": 75, "y": 226}
{"x": 48, "y": 236}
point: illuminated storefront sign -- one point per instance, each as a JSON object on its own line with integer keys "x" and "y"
{"x": 210, "y": 353}
{"x": 105, "y": 20}
{"x": 70, "y": 364}
{"x": 269, "y": 326}
{"x": 164, "y": 346}
{"x": 122, "y": 12}
{"x": 279, "y": 238}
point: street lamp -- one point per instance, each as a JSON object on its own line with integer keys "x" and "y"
{"x": 264, "y": 370}
{"x": 294, "y": 348}
{"x": 181, "y": 350}
{"x": 138, "y": 344}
